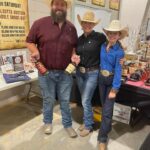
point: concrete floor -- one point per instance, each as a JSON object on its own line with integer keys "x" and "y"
{"x": 21, "y": 128}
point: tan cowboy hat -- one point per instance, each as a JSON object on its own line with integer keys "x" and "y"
{"x": 114, "y": 26}
{"x": 88, "y": 16}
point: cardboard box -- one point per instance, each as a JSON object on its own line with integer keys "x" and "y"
{"x": 122, "y": 113}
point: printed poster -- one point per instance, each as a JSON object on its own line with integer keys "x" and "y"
{"x": 14, "y": 24}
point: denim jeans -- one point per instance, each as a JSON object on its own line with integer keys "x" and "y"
{"x": 87, "y": 83}
{"x": 105, "y": 85}
{"x": 56, "y": 82}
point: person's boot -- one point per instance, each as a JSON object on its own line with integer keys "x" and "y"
{"x": 82, "y": 127}
{"x": 71, "y": 132}
{"x": 85, "y": 132}
{"x": 48, "y": 128}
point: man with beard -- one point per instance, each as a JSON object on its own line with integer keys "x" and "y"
{"x": 52, "y": 40}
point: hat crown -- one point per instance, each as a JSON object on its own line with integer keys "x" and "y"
{"x": 115, "y": 24}
{"x": 89, "y": 16}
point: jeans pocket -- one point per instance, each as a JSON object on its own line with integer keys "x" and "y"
{"x": 66, "y": 78}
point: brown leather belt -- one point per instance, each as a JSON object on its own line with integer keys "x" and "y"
{"x": 84, "y": 70}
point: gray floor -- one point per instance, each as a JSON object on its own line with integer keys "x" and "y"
{"x": 21, "y": 128}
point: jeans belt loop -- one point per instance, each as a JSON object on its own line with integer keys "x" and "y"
{"x": 106, "y": 73}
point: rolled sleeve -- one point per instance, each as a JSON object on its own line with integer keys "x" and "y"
{"x": 118, "y": 71}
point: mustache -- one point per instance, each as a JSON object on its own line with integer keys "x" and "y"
{"x": 59, "y": 10}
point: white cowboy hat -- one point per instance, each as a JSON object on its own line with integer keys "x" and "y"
{"x": 115, "y": 26}
{"x": 88, "y": 16}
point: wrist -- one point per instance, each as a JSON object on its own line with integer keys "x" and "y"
{"x": 114, "y": 91}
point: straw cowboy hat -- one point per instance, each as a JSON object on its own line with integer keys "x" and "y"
{"x": 115, "y": 26}
{"x": 88, "y": 16}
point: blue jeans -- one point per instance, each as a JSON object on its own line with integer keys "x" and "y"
{"x": 56, "y": 82}
{"x": 105, "y": 85}
{"x": 87, "y": 83}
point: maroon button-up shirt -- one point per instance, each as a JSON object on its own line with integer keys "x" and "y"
{"x": 54, "y": 44}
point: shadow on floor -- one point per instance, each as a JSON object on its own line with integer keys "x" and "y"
{"x": 124, "y": 128}
{"x": 31, "y": 135}
{"x": 77, "y": 115}
{"x": 118, "y": 129}
{"x": 13, "y": 115}
{"x": 57, "y": 141}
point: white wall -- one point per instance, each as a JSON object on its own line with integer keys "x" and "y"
{"x": 88, "y": 3}
{"x": 145, "y": 22}
{"x": 37, "y": 9}
{"x": 131, "y": 14}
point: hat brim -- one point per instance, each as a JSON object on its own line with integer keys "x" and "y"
{"x": 82, "y": 20}
{"x": 123, "y": 31}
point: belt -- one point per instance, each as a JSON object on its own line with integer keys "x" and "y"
{"x": 106, "y": 73}
{"x": 84, "y": 70}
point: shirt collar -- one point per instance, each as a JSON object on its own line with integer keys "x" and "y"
{"x": 115, "y": 46}
{"x": 91, "y": 34}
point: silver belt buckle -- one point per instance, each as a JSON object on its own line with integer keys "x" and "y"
{"x": 105, "y": 73}
{"x": 82, "y": 69}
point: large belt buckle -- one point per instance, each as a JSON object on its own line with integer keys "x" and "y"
{"x": 105, "y": 73}
{"x": 82, "y": 69}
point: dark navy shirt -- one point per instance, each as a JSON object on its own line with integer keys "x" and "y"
{"x": 110, "y": 60}
{"x": 89, "y": 48}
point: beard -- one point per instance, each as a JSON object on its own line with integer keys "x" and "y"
{"x": 58, "y": 16}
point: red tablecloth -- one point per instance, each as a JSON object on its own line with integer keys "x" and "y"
{"x": 138, "y": 84}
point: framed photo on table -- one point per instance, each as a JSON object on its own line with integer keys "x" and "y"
{"x": 114, "y": 4}
{"x": 99, "y": 2}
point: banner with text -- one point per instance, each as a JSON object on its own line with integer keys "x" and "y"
{"x": 14, "y": 23}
